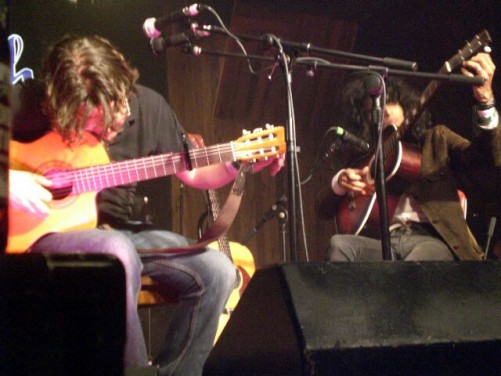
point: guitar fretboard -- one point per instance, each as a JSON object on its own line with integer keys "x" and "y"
{"x": 472, "y": 47}
{"x": 96, "y": 178}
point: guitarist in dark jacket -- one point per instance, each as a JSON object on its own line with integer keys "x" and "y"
{"x": 428, "y": 222}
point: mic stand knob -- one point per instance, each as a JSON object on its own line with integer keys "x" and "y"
{"x": 282, "y": 216}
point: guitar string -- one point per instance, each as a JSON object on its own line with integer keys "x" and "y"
{"x": 143, "y": 167}
{"x": 134, "y": 169}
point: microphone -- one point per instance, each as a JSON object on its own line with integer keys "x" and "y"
{"x": 152, "y": 27}
{"x": 351, "y": 138}
{"x": 159, "y": 44}
{"x": 277, "y": 209}
{"x": 374, "y": 85}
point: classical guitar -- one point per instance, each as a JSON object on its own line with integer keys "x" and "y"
{"x": 80, "y": 170}
{"x": 237, "y": 253}
{"x": 241, "y": 257}
{"x": 355, "y": 211}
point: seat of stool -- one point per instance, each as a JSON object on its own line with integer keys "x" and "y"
{"x": 154, "y": 293}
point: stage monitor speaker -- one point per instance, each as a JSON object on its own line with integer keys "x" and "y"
{"x": 385, "y": 318}
{"x": 61, "y": 315}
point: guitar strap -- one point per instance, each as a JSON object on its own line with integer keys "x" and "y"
{"x": 222, "y": 223}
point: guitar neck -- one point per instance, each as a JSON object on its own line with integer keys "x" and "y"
{"x": 472, "y": 47}
{"x": 418, "y": 109}
{"x": 99, "y": 177}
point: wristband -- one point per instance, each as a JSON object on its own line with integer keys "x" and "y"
{"x": 486, "y": 105}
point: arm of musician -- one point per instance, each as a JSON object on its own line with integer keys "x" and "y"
{"x": 352, "y": 180}
{"x": 216, "y": 176}
{"x": 481, "y": 65}
{"x": 487, "y": 116}
{"x": 27, "y": 192}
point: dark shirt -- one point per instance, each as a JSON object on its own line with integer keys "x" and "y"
{"x": 152, "y": 128}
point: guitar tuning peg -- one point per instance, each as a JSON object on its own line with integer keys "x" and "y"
{"x": 245, "y": 132}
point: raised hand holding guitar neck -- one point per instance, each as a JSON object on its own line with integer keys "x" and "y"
{"x": 481, "y": 65}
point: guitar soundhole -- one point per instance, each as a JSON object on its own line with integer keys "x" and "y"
{"x": 61, "y": 183}
{"x": 61, "y": 193}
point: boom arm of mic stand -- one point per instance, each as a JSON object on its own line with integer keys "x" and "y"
{"x": 387, "y": 61}
{"x": 409, "y": 67}
{"x": 455, "y": 78}
{"x": 309, "y": 48}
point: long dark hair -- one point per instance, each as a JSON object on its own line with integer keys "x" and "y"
{"x": 356, "y": 104}
{"x": 84, "y": 70}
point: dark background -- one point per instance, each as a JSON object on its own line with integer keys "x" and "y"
{"x": 42, "y": 22}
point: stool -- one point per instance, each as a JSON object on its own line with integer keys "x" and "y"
{"x": 153, "y": 294}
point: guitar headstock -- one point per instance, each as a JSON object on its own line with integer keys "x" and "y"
{"x": 479, "y": 42}
{"x": 260, "y": 144}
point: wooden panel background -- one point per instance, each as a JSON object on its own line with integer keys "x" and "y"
{"x": 218, "y": 97}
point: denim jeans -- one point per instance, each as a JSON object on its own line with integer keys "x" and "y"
{"x": 202, "y": 279}
{"x": 414, "y": 242}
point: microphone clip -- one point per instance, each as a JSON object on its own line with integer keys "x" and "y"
{"x": 183, "y": 39}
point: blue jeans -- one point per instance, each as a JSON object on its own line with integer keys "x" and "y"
{"x": 409, "y": 243}
{"x": 202, "y": 279}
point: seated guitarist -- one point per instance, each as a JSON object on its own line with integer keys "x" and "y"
{"x": 90, "y": 87}
{"x": 428, "y": 222}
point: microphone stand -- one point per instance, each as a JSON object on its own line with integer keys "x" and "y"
{"x": 278, "y": 210}
{"x": 290, "y": 153}
{"x": 282, "y": 222}
{"x": 374, "y": 85}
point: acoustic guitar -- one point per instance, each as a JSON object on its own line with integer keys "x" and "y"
{"x": 241, "y": 257}
{"x": 355, "y": 211}
{"x": 237, "y": 253}
{"x": 80, "y": 170}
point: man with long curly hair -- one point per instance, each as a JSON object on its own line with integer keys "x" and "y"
{"x": 90, "y": 93}
{"x": 427, "y": 222}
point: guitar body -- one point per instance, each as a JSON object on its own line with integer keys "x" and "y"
{"x": 45, "y": 156}
{"x": 355, "y": 211}
{"x": 244, "y": 262}
{"x": 237, "y": 253}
